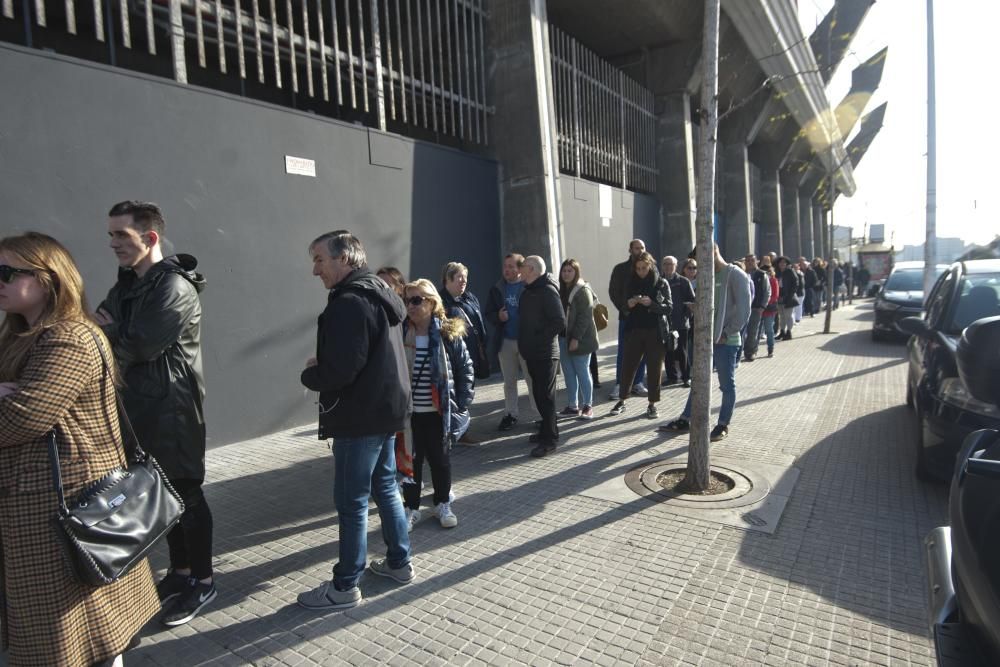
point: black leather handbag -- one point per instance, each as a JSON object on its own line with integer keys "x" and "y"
{"x": 114, "y": 522}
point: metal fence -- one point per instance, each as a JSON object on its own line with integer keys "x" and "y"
{"x": 606, "y": 123}
{"x": 416, "y": 62}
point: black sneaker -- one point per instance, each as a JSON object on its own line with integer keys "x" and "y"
{"x": 651, "y": 412}
{"x": 507, "y": 423}
{"x": 188, "y": 604}
{"x": 543, "y": 449}
{"x": 686, "y": 384}
{"x": 618, "y": 409}
{"x": 719, "y": 433}
{"x": 678, "y": 425}
{"x": 171, "y": 586}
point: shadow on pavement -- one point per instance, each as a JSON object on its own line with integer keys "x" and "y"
{"x": 859, "y": 344}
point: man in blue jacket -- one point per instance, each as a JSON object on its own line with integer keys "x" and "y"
{"x": 360, "y": 373}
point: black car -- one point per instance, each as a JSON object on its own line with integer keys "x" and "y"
{"x": 963, "y": 559}
{"x": 946, "y": 412}
{"x": 901, "y": 296}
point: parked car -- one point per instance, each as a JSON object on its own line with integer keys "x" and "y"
{"x": 945, "y": 410}
{"x": 901, "y": 296}
{"x": 963, "y": 559}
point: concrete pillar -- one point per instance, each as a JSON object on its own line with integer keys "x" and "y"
{"x": 737, "y": 237}
{"x": 790, "y": 236}
{"x": 523, "y": 131}
{"x": 675, "y": 187}
{"x": 806, "y": 226}
{"x": 769, "y": 217}
{"x": 821, "y": 231}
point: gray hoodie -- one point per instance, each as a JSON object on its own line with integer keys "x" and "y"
{"x": 733, "y": 310}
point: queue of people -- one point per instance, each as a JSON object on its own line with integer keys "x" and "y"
{"x": 395, "y": 368}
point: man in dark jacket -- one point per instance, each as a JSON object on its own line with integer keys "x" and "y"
{"x": 152, "y": 316}
{"x": 360, "y": 373}
{"x": 682, "y": 296}
{"x": 761, "y": 295}
{"x": 542, "y": 318}
{"x": 618, "y": 291}
{"x": 788, "y": 280}
{"x": 809, "y": 287}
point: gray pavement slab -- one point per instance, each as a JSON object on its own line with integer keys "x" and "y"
{"x": 543, "y": 569}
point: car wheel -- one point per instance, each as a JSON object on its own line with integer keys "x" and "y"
{"x": 922, "y": 473}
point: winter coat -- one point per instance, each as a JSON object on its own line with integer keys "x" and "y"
{"x": 789, "y": 283}
{"x": 681, "y": 294}
{"x": 360, "y": 372}
{"x": 466, "y": 307}
{"x": 580, "y": 324}
{"x": 542, "y": 319}
{"x": 810, "y": 274}
{"x": 495, "y": 300}
{"x": 761, "y": 289}
{"x": 451, "y": 373}
{"x": 618, "y": 286}
{"x": 49, "y": 618}
{"x": 658, "y": 290}
{"x": 156, "y": 338}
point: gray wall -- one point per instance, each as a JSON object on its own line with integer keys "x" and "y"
{"x": 76, "y": 137}
{"x": 599, "y": 248}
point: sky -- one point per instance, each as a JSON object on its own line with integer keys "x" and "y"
{"x": 892, "y": 177}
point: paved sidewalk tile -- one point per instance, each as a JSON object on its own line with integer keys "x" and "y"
{"x": 537, "y": 573}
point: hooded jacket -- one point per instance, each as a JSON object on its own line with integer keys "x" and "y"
{"x": 360, "y": 373}
{"x": 542, "y": 320}
{"x": 156, "y": 339}
{"x": 467, "y": 307}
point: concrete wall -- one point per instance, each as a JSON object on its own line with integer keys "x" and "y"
{"x": 599, "y": 248}
{"x": 77, "y": 137}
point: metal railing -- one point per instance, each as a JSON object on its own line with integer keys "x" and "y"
{"x": 417, "y": 62}
{"x": 605, "y": 120}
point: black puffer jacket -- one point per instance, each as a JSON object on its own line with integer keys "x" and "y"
{"x": 542, "y": 320}
{"x": 681, "y": 294}
{"x": 156, "y": 339}
{"x": 657, "y": 313}
{"x": 361, "y": 373}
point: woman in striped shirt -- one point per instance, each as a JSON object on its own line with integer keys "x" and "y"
{"x": 442, "y": 384}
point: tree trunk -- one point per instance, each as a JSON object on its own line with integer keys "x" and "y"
{"x": 701, "y": 388}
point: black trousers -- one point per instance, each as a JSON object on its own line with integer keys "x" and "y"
{"x": 680, "y": 357}
{"x": 429, "y": 445}
{"x": 593, "y": 367}
{"x": 190, "y": 541}
{"x": 543, "y": 387}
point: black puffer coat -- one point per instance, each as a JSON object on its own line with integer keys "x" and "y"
{"x": 542, "y": 320}
{"x": 156, "y": 339}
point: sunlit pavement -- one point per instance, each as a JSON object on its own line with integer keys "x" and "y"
{"x": 540, "y": 571}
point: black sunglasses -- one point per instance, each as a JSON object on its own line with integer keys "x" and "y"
{"x": 415, "y": 300}
{"x": 7, "y": 273}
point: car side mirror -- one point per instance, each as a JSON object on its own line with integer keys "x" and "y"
{"x": 915, "y": 326}
{"x": 978, "y": 357}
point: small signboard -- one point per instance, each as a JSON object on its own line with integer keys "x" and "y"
{"x": 300, "y": 165}
{"x": 877, "y": 234}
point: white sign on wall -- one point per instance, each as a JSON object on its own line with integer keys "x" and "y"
{"x": 604, "y": 194}
{"x": 300, "y": 165}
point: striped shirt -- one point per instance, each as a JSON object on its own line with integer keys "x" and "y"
{"x": 420, "y": 377}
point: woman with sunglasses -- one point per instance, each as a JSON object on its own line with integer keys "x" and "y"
{"x": 442, "y": 387}
{"x": 52, "y": 375}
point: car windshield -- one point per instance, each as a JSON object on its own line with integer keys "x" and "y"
{"x": 980, "y": 297}
{"x": 906, "y": 281}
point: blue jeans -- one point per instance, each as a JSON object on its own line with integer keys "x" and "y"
{"x": 724, "y": 357}
{"x": 640, "y": 375}
{"x": 366, "y": 466}
{"x": 576, "y": 370}
{"x": 767, "y": 323}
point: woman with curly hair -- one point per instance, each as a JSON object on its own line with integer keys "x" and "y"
{"x": 442, "y": 387}
{"x": 52, "y": 376}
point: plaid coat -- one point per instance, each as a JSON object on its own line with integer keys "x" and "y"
{"x": 49, "y": 618}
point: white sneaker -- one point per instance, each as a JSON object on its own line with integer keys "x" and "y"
{"x": 615, "y": 393}
{"x": 446, "y": 516}
{"x": 412, "y": 517}
{"x": 639, "y": 389}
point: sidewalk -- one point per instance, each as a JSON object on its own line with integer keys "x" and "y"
{"x": 540, "y": 571}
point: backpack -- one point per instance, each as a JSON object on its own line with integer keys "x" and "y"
{"x": 600, "y": 311}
